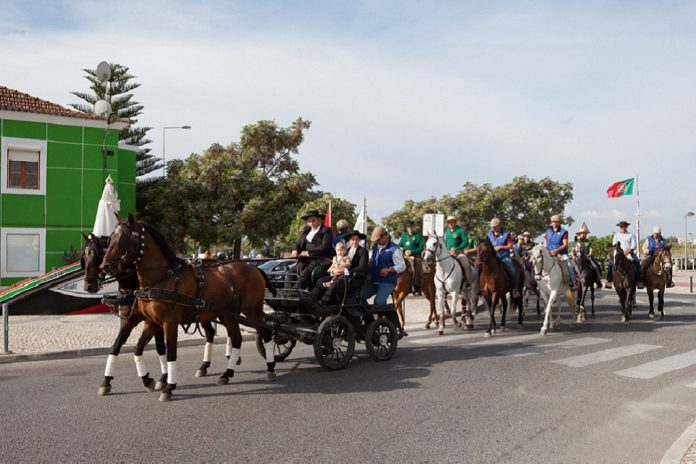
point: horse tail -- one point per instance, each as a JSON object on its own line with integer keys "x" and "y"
{"x": 269, "y": 285}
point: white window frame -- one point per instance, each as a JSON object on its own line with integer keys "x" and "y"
{"x": 4, "y": 232}
{"x": 23, "y": 144}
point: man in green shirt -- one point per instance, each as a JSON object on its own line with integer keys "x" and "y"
{"x": 412, "y": 244}
{"x": 456, "y": 238}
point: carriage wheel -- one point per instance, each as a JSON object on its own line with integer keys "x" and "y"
{"x": 381, "y": 339}
{"x": 335, "y": 343}
{"x": 282, "y": 346}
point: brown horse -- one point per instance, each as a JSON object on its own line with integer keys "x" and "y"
{"x": 173, "y": 292}
{"x": 495, "y": 284}
{"x": 403, "y": 288}
{"x": 625, "y": 279}
{"x": 656, "y": 273}
{"x": 91, "y": 259}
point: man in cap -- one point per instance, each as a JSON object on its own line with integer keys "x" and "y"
{"x": 628, "y": 244}
{"x": 456, "y": 238}
{"x": 412, "y": 245}
{"x": 313, "y": 245}
{"x": 650, "y": 246}
{"x": 502, "y": 243}
{"x": 584, "y": 242}
{"x": 556, "y": 241}
{"x": 342, "y": 227}
{"x": 386, "y": 263}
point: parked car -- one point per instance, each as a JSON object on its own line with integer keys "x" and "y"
{"x": 275, "y": 269}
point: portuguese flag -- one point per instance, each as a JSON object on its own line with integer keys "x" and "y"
{"x": 621, "y": 188}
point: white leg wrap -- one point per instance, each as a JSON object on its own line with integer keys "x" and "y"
{"x": 234, "y": 356}
{"x": 207, "y": 352}
{"x": 109, "y": 371}
{"x": 140, "y": 366}
{"x": 228, "y": 347}
{"x": 171, "y": 368}
{"x": 270, "y": 356}
{"x": 163, "y": 363}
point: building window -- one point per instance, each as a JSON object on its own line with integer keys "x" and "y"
{"x": 23, "y": 167}
{"x": 22, "y": 252}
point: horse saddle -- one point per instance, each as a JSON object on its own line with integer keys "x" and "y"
{"x": 564, "y": 270}
{"x": 411, "y": 264}
{"x": 465, "y": 265}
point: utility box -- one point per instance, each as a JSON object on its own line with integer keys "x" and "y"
{"x": 433, "y": 224}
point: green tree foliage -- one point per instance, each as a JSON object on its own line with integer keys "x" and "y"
{"x": 341, "y": 209}
{"x": 523, "y": 204}
{"x": 120, "y": 96}
{"x": 250, "y": 189}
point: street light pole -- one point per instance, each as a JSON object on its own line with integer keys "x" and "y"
{"x": 686, "y": 237}
{"x": 164, "y": 145}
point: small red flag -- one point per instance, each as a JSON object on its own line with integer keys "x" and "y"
{"x": 327, "y": 218}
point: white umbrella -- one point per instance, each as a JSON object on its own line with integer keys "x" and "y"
{"x": 106, "y": 222}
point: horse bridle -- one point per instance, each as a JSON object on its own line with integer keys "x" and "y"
{"x": 124, "y": 246}
{"x": 434, "y": 252}
{"x": 541, "y": 259}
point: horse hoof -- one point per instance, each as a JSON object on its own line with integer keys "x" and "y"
{"x": 150, "y": 387}
{"x": 486, "y": 335}
{"x": 470, "y": 326}
{"x": 458, "y": 325}
{"x": 160, "y": 385}
{"x": 104, "y": 390}
{"x": 543, "y": 332}
{"x": 239, "y": 361}
{"x": 201, "y": 372}
{"x": 651, "y": 316}
{"x": 271, "y": 375}
{"x": 441, "y": 332}
{"x": 164, "y": 396}
{"x": 662, "y": 317}
{"x": 427, "y": 326}
{"x": 223, "y": 380}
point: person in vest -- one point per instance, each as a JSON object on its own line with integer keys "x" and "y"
{"x": 502, "y": 243}
{"x": 650, "y": 246}
{"x": 386, "y": 263}
{"x": 556, "y": 241}
{"x": 456, "y": 238}
{"x": 628, "y": 245}
{"x": 411, "y": 244}
{"x": 581, "y": 238}
{"x": 312, "y": 248}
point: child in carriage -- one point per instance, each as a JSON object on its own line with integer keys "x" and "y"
{"x": 339, "y": 264}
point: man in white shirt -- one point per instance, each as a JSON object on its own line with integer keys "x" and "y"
{"x": 628, "y": 244}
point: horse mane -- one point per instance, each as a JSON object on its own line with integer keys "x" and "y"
{"x": 159, "y": 239}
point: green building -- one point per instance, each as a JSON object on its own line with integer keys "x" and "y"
{"x": 54, "y": 164}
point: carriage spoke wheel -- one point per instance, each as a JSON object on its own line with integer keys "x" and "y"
{"x": 282, "y": 346}
{"x": 335, "y": 343}
{"x": 381, "y": 339}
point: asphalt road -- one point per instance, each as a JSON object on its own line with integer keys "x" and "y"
{"x": 599, "y": 392}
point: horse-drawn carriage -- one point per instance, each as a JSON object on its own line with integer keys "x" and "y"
{"x": 332, "y": 329}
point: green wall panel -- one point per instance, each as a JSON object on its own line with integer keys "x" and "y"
{"x": 60, "y": 133}
{"x": 63, "y": 190}
{"x": 64, "y": 155}
{"x": 24, "y": 129}
{"x": 23, "y": 210}
{"x": 7, "y": 281}
{"x": 95, "y": 136}
{"x": 126, "y": 166}
{"x": 93, "y": 157}
{"x": 61, "y": 240}
{"x": 54, "y": 261}
{"x": 126, "y": 193}
{"x": 92, "y": 187}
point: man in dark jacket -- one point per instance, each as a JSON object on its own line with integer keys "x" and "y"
{"x": 351, "y": 279}
{"x": 313, "y": 245}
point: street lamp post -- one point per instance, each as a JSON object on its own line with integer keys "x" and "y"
{"x": 164, "y": 145}
{"x": 686, "y": 237}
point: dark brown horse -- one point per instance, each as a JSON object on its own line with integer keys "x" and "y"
{"x": 495, "y": 284}
{"x": 172, "y": 292}
{"x": 92, "y": 256}
{"x": 585, "y": 277}
{"x": 657, "y": 273}
{"x": 625, "y": 279}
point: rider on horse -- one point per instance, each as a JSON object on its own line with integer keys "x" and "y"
{"x": 458, "y": 243}
{"x": 628, "y": 245}
{"x": 650, "y": 246}
{"x": 581, "y": 238}
{"x": 412, "y": 245}
{"x": 502, "y": 243}
{"x": 556, "y": 241}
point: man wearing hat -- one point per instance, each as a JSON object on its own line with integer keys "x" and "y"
{"x": 581, "y": 238}
{"x": 411, "y": 244}
{"x": 348, "y": 282}
{"x": 628, "y": 244}
{"x": 502, "y": 243}
{"x": 456, "y": 238}
{"x": 342, "y": 227}
{"x": 387, "y": 262}
{"x": 556, "y": 241}
{"x": 313, "y": 245}
{"x": 650, "y": 246}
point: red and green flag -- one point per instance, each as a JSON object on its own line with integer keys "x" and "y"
{"x": 621, "y": 188}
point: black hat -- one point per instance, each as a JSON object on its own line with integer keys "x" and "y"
{"x": 623, "y": 224}
{"x": 312, "y": 212}
{"x": 354, "y": 232}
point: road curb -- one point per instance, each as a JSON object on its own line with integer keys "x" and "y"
{"x": 677, "y": 451}
{"x": 79, "y": 353}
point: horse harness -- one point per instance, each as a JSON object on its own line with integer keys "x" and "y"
{"x": 461, "y": 266}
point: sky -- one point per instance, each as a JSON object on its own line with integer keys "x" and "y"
{"x": 408, "y": 99}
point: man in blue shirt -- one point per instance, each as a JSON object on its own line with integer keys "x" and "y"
{"x": 556, "y": 241}
{"x": 650, "y": 246}
{"x": 502, "y": 243}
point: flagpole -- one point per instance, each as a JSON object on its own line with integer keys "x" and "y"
{"x": 638, "y": 217}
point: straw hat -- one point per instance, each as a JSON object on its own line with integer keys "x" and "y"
{"x": 495, "y": 222}
{"x": 555, "y": 217}
{"x": 451, "y": 218}
{"x": 657, "y": 230}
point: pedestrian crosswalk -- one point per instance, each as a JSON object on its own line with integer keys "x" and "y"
{"x": 587, "y": 351}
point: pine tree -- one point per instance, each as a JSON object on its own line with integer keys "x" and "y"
{"x": 121, "y": 85}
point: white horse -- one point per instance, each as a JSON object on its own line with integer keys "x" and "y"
{"x": 549, "y": 275}
{"x": 450, "y": 279}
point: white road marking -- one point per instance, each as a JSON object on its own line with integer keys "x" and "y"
{"x": 503, "y": 340}
{"x": 661, "y": 366}
{"x": 550, "y": 347}
{"x": 439, "y": 339}
{"x": 606, "y": 355}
